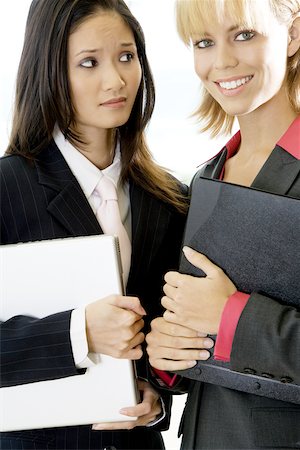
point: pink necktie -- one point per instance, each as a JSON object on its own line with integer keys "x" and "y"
{"x": 108, "y": 215}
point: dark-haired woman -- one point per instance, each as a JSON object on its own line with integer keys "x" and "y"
{"x": 84, "y": 96}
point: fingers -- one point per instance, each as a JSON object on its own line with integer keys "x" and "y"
{"x": 201, "y": 261}
{"x": 134, "y": 350}
{"x": 178, "y": 342}
{"x": 129, "y": 348}
{"x": 170, "y": 365}
{"x": 160, "y": 325}
{"x": 169, "y": 304}
{"x": 128, "y": 328}
{"x": 174, "y": 351}
{"x": 146, "y": 411}
{"x": 173, "y": 278}
{"x": 111, "y": 426}
{"x": 145, "y": 408}
{"x": 172, "y": 317}
{"x": 114, "y": 330}
{"x": 170, "y": 291}
{"x": 131, "y": 303}
{"x": 177, "y": 354}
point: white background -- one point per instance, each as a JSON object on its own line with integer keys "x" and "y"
{"x": 172, "y": 135}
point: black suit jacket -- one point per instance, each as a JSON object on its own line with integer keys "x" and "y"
{"x": 43, "y": 200}
{"x": 267, "y": 341}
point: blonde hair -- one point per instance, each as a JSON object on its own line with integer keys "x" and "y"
{"x": 192, "y": 15}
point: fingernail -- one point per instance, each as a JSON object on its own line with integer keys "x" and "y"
{"x": 187, "y": 250}
{"x": 209, "y": 343}
{"x": 191, "y": 363}
{"x": 97, "y": 427}
{"x": 124, "y": 411}
{"x": 202, "y": 334}
{"x": 204, "y": 354}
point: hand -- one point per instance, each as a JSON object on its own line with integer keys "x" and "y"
{"x": 113, "y": 326}
{"x": 145, "y": 412}
{"x": 175, "y": 347}
{"x": 195, "y": 302}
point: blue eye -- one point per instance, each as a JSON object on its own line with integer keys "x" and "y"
{"x": 126, "y": 57}
{"x": 204, "y": 43}
{"x": 88, "y": 63}
{"x": 245, "y": 36}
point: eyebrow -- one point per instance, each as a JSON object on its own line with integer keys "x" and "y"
{"x": 233, "y": 28}
{"x": 95, "y": 50}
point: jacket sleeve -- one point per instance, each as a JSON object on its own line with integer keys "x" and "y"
{"x": 267, "y": 340}
{"x": 36, "y": 349}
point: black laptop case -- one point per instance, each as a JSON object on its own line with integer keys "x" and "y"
{"x": 254, "y": 237}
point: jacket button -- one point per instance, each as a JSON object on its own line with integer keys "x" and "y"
{"x": 198, "y": 371}
{"x": 257, "y": 386}
{"x": 267, "y": 375}
{"x": 249, "y": 371}
{"x": 286, "y": 380}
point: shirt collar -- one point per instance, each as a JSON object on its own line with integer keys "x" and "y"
{"x": 86, "y": 173}
{"x": 290, "y": 141}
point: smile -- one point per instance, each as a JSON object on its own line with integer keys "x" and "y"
{"x": 228, "y": 85}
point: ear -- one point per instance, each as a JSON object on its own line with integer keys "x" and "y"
{"x": 294, "y": 37}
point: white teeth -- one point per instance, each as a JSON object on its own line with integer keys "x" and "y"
{"x": 234, "y": 84}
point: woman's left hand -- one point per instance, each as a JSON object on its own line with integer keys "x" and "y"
{"x": 195, "y": 302}
{"x": 146, "y": 411}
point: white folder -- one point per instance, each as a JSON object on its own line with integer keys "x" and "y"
{"x": 46, "y": 277}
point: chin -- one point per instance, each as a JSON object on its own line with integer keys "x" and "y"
{"x": 237, "y": 112}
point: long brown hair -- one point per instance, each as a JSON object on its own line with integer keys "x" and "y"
{"x": 43, "y": 93}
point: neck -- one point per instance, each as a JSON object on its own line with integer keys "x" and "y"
{"x": 261, "y": 129}
{"x": 99, "y": 146}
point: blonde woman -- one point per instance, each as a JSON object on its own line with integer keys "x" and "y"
{"x": 246, "y": 54}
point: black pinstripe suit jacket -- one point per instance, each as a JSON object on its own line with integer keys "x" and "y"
{"x": 43, "y": 200}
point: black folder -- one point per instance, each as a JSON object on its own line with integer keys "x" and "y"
{"x": 254, "y": 237}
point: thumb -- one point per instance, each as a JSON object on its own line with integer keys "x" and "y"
{"x": 201, "y": 261}
{"x": 149, "y": 394}
{"x": 130, "y": 303}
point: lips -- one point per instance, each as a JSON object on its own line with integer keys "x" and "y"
{"x": 114, "y": 101}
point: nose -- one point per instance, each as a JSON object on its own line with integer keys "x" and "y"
{"x": 112, "y": 79}
{"x": 225, "y": 57}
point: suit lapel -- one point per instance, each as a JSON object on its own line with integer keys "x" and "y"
{"x": 66, "y": 200}
{"x": 69, "y": 206}
{"x": 278, "y": 173}
{"x": 214, "y": 168}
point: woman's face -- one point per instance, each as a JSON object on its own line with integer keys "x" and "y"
{"x": 242, "y": 69}
{"x": 104, "y": 72}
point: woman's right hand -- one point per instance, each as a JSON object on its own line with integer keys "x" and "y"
{"x": 113, "y": 326}
{"x": 175, "y": 347}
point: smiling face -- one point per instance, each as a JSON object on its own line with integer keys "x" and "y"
{"x": 104, "y": 72}
{"x": 241, "y": 68}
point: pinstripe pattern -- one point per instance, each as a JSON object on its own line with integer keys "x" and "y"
{"x": 43, "y": 200}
